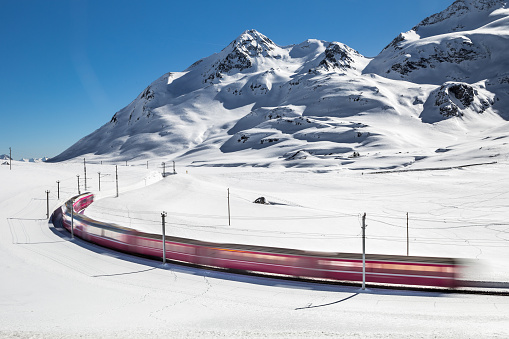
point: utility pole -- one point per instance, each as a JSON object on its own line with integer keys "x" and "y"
{"x": 10, "y": 159}
{"x": 364, "y": 251}
{"x": 147, "y": 164}
{"x": 85, "y": 170}
{"x": 77, "y": 175}
{"x": 163, "y": 215}
{"x": 58, "y": 189}
{"x": 99, "y": 181}
{"x": 72, "y": 218}
{"x": 116, "y": 178}
{"x": 407, "y": 241}
{"x": 174, "y": 172}
{"x": 164, "y": 169}
{"x": 229, "y": 220}
{"x": 47, "y": 204}
{"x": 126, "y": 163}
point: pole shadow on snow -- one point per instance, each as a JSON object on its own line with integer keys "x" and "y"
{"x": 328, "y": 304}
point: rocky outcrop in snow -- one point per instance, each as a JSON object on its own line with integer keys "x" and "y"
{"x": 242, "y": 54}
{"x": 455, "y": 99}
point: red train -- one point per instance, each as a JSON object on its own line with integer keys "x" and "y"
{"x": 385, "y": 269}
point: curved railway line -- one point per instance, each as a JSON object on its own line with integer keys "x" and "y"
{"x": 425, "y": 274}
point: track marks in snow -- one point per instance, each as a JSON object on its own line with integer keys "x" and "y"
{"x": 160, "y": 314}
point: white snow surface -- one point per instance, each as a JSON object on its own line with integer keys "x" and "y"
{"x": 55, "y": 287}
{"x": 325, "y": 135}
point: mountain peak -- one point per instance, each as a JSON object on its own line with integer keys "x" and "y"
{"x": 252, "y": 43}
{"x": 479, "y": 4}
{"x": 248, "y": 50}
{"x": 461, "y": 43}
{"x": 460, "y": 15}
{"x": 338, "y": 56}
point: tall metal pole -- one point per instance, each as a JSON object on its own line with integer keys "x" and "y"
{"x": 116, "y": 178}
{"x": 163, "y": 215}
{"x": 58, "y": 189}
{"x": 147, "y": 164}
{"x": 164, "y": 169}
{"x": 72, "y": 218}
{"x": 78, "y": 183}
{"x": 407, "y": 241}
{"x": 47, "y": 204}
{"x": 10, "y": 159}
{"x": 229, "y": 220}
{"x": 85, "y": 170}
{"x": 126, "y": 162}
{"x": 174, "y": 172}
{"x": 364, "y": 251}
{"x": 99, "y": 181}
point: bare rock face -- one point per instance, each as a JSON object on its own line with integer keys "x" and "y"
{"x": 262, "y": 201}
{"x": 463, "y": 92}
{"x": 337, "y": 56}
{"x": 455, "y": 99}
{"x": 454, "y": 52}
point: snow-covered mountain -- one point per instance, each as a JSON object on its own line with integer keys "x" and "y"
{"x": 466, "y": 42}
{"x": 43, "y": 159}
{"x": 443, "y": 84}
{"x": 6, "y": 157}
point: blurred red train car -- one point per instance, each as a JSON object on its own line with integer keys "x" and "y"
{"x": 383, "y": 269}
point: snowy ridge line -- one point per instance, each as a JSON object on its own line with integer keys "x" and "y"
{"x": 327, "y": 266}
{"x": 433, "y": 168}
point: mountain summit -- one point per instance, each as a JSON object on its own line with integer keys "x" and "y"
{"x": 465, "y": 42}
{"x": 251, "y": 50}
{"x": 441, "y": 87}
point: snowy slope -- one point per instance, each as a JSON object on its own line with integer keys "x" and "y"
{"x": 466, "y": 42}
{"x": 463, "y": 49}
{"x": 441, "y": 84}
{"x": 55, "y": 287}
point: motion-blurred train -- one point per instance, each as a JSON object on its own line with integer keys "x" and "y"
{"x": 347, "y": 267}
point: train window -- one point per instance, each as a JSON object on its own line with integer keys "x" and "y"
{"x": 408, "y": 267}
{"x": 448, "y": 269}
{"x": 337, "y": 263}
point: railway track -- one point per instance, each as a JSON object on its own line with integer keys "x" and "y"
{"x": 423, "y": 274}
{"x": 467, "y": 286}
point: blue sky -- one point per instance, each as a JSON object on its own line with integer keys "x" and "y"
{"x": 67, "y": 66}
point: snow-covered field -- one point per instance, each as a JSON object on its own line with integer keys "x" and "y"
{"x": 417, "y": 133}
{"x": 51, "y": 286}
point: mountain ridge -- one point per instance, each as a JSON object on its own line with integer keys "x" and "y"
{"x": 258, "y": 103}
